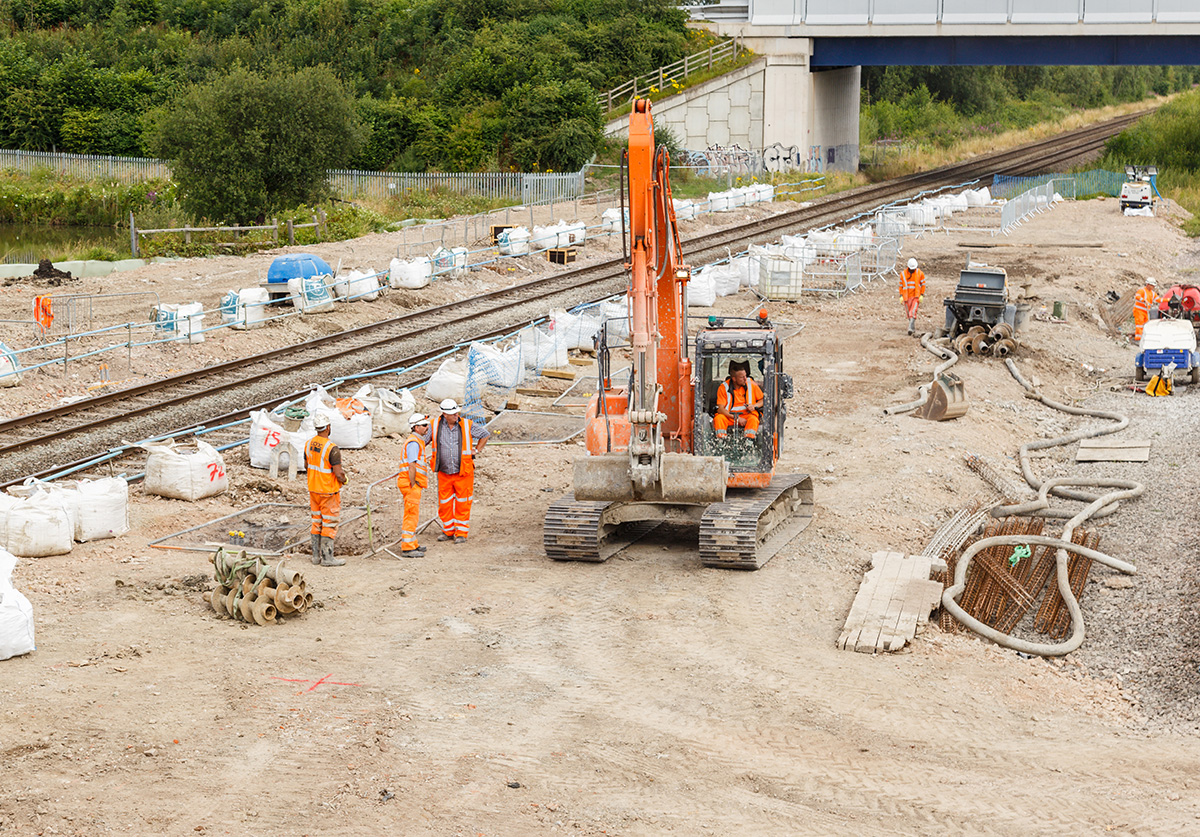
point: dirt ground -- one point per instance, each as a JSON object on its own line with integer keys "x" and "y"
{"x": 486, "y": 690}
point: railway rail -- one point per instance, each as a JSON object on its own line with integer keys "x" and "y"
{"x": 46, "y": 442}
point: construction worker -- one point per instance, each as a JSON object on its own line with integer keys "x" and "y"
{"x": 454, "y": 443}
{"x": 738, "y": 401}
{"x": 323, "y": 459}
{"x": 413, "y": 477}
{"x": 912, "y": 291}
{"x": 1144, "y": 301}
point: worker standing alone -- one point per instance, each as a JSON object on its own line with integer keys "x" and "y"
{"x": 455, "y": 442}
{"x": 738, "y": 401}
{"x": 413, "y": 478}
{"x": 912, "y": 290}
{"x": 1144, "y": 301}
{"x": 323, "y": 461}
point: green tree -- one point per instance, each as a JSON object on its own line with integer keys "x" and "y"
{"x": 556, "y": 125}
{"x": 246, "y": 144}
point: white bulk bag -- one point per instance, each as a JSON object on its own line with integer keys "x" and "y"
{"x": 725, "y": 278}
{"x": 449, "y": 381}
{"x": 542, "y": 350}
{"x": 409, "y": 275}
{"x": 701, "y": 292}
{"x": 718, "y": 201}
{"x": 16, "y": 613}
{"x": 9, "y": 376}
{"x": 685, "y": 210}
{"x": 544, "y": 238}
{"x": 360, "y": 285}
{"x": 571, "y": 234}
{"x": 616, "y": 315}
{"x": 267, "y": 434}
{"x": 252, "y": 306}
{"x": 350, "y": 433}
{"x": 103, "y": 508}
{"x": 766, "y": 192}
{"x": 574, "y": 331}
{"x": 184, "y": 476}
{"x": 189, "y": 322}
{"x": 230, "y": 310}
{"x": 389, "y": 409}
{"x": 39, "y": 525}
{"x": 514, "y": 241}
{"x": 978, "y": 197}
{"x": 309, "y": 295}
{"x": 610, "y": 220}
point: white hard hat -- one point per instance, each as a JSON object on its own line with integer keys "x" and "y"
{"x": 417, "y": 419}
{"x": 912, "y": 264}
{"x": 1151, "y": 281}
{"x": 449, "y": 406}
{"x": 321, "y": 418}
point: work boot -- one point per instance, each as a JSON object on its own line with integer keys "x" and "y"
{"x": 459, "y": 539}
{"x": 444, "y": 537}
{"x": 327, "y": 559}
{"x": 912, "y": 324}
{"x": 316, "y": 549}
{"x": 419, "y": 552}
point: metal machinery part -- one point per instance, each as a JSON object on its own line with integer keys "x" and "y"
{"x": 654, "y": 454}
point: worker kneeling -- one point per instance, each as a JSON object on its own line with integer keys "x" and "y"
{"x": 738, "y": 401}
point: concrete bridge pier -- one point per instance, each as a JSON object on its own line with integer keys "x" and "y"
{"x": 797, "y": 118}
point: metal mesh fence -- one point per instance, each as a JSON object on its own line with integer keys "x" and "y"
{"x": 1095, "y": 182}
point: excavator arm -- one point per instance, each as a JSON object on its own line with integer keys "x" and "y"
{"x": 658, "y": 464}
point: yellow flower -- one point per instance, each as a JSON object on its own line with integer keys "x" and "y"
{"x": 417, "y": 71}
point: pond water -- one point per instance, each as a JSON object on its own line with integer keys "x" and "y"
{"x": 31, "y": 244}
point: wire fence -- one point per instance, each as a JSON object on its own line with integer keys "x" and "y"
{"x": 1094, "y": 182}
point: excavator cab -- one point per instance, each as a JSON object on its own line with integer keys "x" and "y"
{"x": 753, "y": 343}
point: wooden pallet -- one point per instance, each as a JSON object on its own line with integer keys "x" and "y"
{"x": 893, "y": 603}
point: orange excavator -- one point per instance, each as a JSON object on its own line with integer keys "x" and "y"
{"x": 653, "y": 452}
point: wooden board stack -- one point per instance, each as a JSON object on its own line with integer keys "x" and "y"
{"x": 893, "y": 603}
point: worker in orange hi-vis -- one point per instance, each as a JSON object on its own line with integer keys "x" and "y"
{"x": 738, "y": 401}
{"x": 413, "y": 478}
{"x": 912, "y": 290}
{"x": 1144, "y": 301}
{"x": 42, "y": 312}
{"x": 454, "y": 443}
{"x": 323, "y": 461}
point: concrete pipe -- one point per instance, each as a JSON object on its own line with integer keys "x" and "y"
{"x": 979, "y": 344}
{"x": 1003, "y": 348}
{"x": 263, "y": 612}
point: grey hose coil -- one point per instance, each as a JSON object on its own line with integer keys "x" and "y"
{"x": 923, "y": 392}
{"x": 1098, "y": 506}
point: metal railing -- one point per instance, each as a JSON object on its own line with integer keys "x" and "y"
{"x": 673, "y": 73}
{"x": 86, "y": 166}
{"x": 1024, "y": 205}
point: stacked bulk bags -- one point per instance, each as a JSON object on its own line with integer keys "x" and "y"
{"x": 411, "y": 275}
{"x": 184, "y": 476}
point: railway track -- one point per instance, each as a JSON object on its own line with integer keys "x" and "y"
{"x": 39, "y": 444}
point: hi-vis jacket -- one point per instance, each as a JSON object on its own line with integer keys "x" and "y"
{"x": 422, "y": 464}
{"x": 466, "y": 461}
{"x": 320, "y": 472}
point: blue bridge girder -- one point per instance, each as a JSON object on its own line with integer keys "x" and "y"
{"x": 1005, "y": 50}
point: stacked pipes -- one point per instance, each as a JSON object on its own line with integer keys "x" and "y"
{"x": 1000, "y": 341}
{"x": 250, "y": 590}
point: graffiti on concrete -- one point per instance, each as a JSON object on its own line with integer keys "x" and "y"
{"x": 720, "y": 160}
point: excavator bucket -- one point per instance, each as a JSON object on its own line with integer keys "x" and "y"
{"x": 947, "y": 399}
{"x": 686, "y": 479}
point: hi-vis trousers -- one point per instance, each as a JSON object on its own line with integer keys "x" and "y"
{"x": 455, "y": 493}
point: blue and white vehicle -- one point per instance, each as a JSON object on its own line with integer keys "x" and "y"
{"x": 1165, "y": 342}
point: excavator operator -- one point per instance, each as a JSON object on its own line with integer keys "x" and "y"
{"x": 738, "y": 401}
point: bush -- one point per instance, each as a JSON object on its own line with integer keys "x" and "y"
{"x": 244, "y": 144}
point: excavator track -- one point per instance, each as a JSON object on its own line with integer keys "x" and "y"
{"x": 577, "y": 530}
{"x": 745, "y": 531}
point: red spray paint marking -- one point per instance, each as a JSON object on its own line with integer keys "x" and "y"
{"x": 314, "y": 685}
